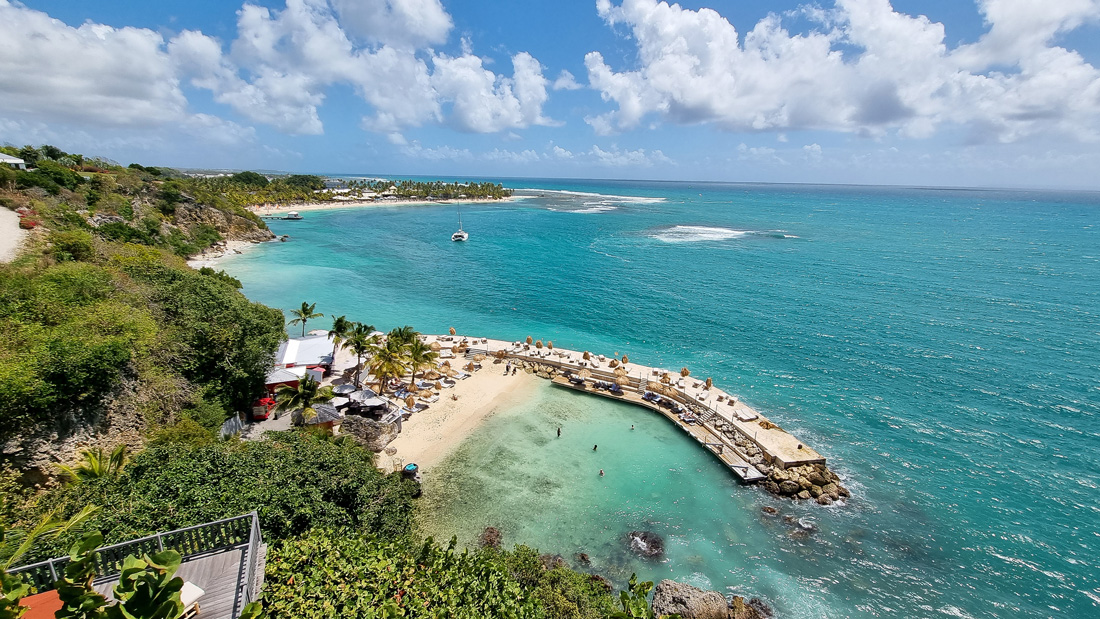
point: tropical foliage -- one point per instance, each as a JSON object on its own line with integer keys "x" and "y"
{"x": 95, "y": 463}
{"x": 304, "y": 314}
{"x": 294, "y": 480}
{"x": 303, "y": 397}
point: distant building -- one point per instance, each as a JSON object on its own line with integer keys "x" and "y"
{"x": 305, "y": 351}
{"x": 12, "y": 162}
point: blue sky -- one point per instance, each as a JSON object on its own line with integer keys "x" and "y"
{"x": 987, "y": 93}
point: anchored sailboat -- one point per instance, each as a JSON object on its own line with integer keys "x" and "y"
{"x": 461, "y": 235}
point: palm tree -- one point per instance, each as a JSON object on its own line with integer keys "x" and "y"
{"x": 339, "y": 332}
{"x": 403, "y": 335}
{"x": 360, "y": 342}
{"x": 389, "y": 361}
{"x": 95, "y": 464}
{"x": 304, "y": 396}
{"x": 303, "y": 315}
{"x": 420, "y": 355}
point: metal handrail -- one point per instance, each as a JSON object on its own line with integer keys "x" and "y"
{"x": 44, "y": 574}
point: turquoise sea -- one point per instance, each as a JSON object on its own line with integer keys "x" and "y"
{"x": 941, "y": 347}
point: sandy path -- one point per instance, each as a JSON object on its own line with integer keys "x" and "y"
{"x": 11, "y": 236}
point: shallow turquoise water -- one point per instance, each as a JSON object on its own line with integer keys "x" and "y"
{"x": 940, "y": 347}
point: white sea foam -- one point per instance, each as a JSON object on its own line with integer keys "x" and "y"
{"x": 689, "y": 234}
{"x": 602, "y": 196}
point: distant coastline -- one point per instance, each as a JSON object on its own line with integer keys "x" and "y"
{"x": 278, "y": 209}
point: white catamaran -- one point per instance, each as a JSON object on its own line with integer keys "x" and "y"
{"x": 461, "y": 235}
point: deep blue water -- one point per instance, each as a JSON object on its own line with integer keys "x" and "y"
{"x": 940, "y": 347}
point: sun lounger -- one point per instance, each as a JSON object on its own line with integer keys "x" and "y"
{"x": 189, "y": 597}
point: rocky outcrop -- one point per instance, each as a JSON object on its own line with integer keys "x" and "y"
{"x": 690, "y": 602}
{"x": 646, "y": 543}
{"x": 490, "y": 538}
{"x": 231, "y": 227}
{"x": 374, "y": 435}
{"x": 809, "y": 482}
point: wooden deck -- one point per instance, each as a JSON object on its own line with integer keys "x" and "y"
{"x": 703, "y": 433}
{"x": 220, "y": 574}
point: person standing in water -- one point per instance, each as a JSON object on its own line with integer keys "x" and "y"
{"x": 559, "y": 431}
{"x": 594, "y": 447}
{"x": 601, "y": 472}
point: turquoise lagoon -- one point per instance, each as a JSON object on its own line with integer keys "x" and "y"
{"x": 940, "y": 346}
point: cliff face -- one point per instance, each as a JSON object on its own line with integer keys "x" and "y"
{"x": 231, "y": 227}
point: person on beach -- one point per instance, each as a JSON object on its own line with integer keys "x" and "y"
{"x": 508, "y": 368}
{"x": 514, "y": 371}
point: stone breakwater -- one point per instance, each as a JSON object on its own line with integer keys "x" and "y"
{"x": 807, "y": 482}
{"x": 812, "y": 481}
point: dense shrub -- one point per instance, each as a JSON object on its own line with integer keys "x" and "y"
{"x": 326, "y": 574}
{"x": 294, "y": 480}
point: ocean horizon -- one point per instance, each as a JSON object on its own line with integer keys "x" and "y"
{"x": 938, "y": 345}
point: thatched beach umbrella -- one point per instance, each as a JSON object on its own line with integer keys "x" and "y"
{"x": 625, "y": 360}
{"x": 500, "y": 354}
{"x": 622, "y": 381}
{"x": 432, "y": 375}
{"x": 665, "y": 378}
{"x": 438, "y": 385}
{"x": 435, "y": 346}
{"x": 685, "y": 372}
{"x": 479, "y": 357}
{"x": 410, "y": 401}
{"x": 614, "y": 363}
{"x": 585, "y": 374}
{"x": 710, "y": 383}
{"x": 453, "y": 331}
{"x": 654, "y": 386}
{"x": 426, "y": 393}
{"x": 587, "y": 355}
{"x": 469, "y": 367}
{"x": 530, "y": 340}
{"x": 620, "y": 372}
{"x": 550, "y": 345}
{"x": 450, "y": 372}
{"x": 445, "y": 364}
{"x": 538, "y": 344}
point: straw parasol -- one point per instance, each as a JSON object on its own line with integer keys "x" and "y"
{"x": 500, "y": 354}
{"x": 469, "y": 367}
{"x": 410, "y": 401}
{"x": 450, "y": 372}
{"x": 538, "y": 344}
{"x": 445, "y": 364}
{"x": 530, "y": 340}
{"x": 625, "y": 360}
{"x": 654, "y": 386}
{"x": 438, "y": 385}
{"x": 453, "y": 331}
{"x": 665, "y": 378}
{"x": 435, "y": 346}
{"x": 587, "y": 355}
{"x": 622, "y": 381}
{"x": 620, "y": 372}
{"x": 426, "y": 393}
{"x": 585, "y": 373}
{"x": 479, "y": 357}
{"x": 614, "y": 363}
{"x": 549, "y": 344}
{"x": 685, "y": 372}
{"x": 710, "y": 383}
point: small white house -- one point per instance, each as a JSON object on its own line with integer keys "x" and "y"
{"x": 12, "y": 162}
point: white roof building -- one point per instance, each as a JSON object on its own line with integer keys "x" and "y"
{"x": 12, "y": 162}
{"x": 304, "y": 351}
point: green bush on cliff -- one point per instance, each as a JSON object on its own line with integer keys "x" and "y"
{"x": 294, "y": 480}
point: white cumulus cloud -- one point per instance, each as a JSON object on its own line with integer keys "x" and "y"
{"x": 867, "y": 69}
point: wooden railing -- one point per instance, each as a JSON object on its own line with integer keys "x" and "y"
{"x": 188, "y": 541}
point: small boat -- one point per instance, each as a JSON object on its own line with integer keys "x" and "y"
{"x": 293, "y": 216}
{"x": 461, "y": 235}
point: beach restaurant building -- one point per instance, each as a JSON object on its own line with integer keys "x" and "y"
{"x": 300, "y": 356}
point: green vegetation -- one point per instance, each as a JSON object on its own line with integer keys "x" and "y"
{"x": 304, "y": 397}
{"x": 435, "y": 189}
{"x": 102, "y": 324}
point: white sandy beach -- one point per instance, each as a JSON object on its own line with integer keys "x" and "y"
{"x": 429, "y": 436}
{"x": 211, "y": 256}
{"x": 11, "y": 236}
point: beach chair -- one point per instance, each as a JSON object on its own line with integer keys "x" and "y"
{"x": 189, "y": 596}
